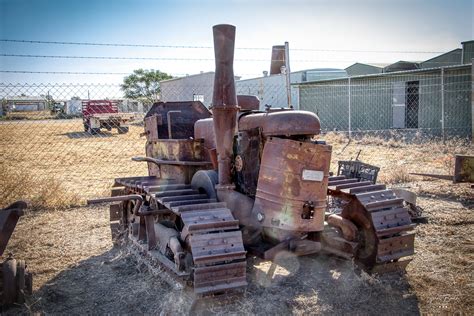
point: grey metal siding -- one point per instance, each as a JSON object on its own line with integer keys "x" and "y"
{"x": 458, "y": 101}
{"x": 359, "y": 69}
{"x": 330, "y": 101}
{"x": 184, "y": 89}
{"x": 468, "y": 52}
{"x": 372, "y": 100}
{"x": 448, "y": 59}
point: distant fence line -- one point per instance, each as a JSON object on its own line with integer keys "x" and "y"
{"x": 429, "y": 102}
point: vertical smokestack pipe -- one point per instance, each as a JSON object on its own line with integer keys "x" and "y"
{"x": 224, "y": 100}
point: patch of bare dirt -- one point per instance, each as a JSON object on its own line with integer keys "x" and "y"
{"x": 76, "y": 271}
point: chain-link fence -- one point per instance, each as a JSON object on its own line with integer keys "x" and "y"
{"x": 423, "y": 103}
{"x": 63, "y": 143}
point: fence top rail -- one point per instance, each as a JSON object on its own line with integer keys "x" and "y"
{"x": 384, "y": 74}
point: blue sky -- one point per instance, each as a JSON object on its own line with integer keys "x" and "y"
{"x": 395, "y": 26}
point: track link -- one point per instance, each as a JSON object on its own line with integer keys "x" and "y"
{"x": 209, "y": 232}
{"x": 383, "y": 222}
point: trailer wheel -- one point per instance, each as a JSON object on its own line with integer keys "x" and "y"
{"x": 94, "y": 131}
{"x": 122, "y": 129}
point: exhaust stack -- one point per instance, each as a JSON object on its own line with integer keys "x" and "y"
{"x": 224, "y": 101}
{"x": 278, "y": 59}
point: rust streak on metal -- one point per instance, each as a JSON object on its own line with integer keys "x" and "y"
{"x": 224, "y": 101}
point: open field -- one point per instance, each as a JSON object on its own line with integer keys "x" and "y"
{"x": 76, "y": 270}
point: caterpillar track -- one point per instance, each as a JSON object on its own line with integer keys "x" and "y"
{"x": 383, "y": 222}
{"x": 215, "y": 260}
{"x": 271, "y": 174}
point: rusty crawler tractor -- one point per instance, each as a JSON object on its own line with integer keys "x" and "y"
{"x": 269, "y": 194}
{"x": 15, "y": 280}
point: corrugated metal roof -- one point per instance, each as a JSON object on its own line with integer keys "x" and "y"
{"x": 190, "y": 76}
{"x": 385, "y": 74}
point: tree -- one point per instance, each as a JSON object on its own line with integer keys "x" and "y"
{"x": 144, "y": 85}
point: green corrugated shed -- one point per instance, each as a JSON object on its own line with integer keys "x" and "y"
{"x": 374, "y": 98}
{"x": 359, "y": 69}
{"x": 451, "y": 58}
{"x": 468, "y": 51}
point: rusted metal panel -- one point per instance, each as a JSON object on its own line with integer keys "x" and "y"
{"x": 217, "y": 247}
{"x": 204, "y": 129}
{"x": 151, "y": 127}
{"x": 8, "y": 219}
{"x": 190, "y": 150}
{"x": 219, "y": 278}
{"x": 182, "y": 126}
{"x": 248, "y": 102}
{"x": 248, "y": 146}
{"x": 464, "y": 168}
{"x": 396, "y": 247}
{"x": 116, "y": 211}
{"x": 177, "y": 149}
{"x": 282, "y": 190}
{"x": 282, "y": 123}
{"x": 209, "y": 220}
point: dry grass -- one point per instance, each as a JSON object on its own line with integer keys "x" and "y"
{"x": 396, "y": 176}
{"x": 47, "y": 155}
{"x": 40, "y": 192}
{"x": 29, "y": 115}
{"x": 55, "y": 165}
{"x": 397, "y": 158}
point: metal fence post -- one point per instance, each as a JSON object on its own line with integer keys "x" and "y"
{"x": 288, "y": 74}
{"x": 472, "y": 100}
{"x": 349, "y": 105}
{"x": 442, "y": 106}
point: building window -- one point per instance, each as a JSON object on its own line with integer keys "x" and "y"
{"x": 198, "y": 97}
{"x": 412, "y": 98}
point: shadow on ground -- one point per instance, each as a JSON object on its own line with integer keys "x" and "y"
{"x": 114, "y": 283}
{"x": 76, "y": 135}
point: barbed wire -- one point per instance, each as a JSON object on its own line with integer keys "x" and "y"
{"x": 210, "y": 47}
{"x": 92, "y": 73}
{"x": 186, "y": 59}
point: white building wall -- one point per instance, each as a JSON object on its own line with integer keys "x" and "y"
{"x": 190, "y": 88}
{"x": 73, "y": 107}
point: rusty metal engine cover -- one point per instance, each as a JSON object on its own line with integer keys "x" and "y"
{"x": 292, "y": 185}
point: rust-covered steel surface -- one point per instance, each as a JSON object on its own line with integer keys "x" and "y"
{"x": 292, "y": 185}
{"x": 8, "y": 219}
{"x": 204, "y": 129}
{"x": 248, "y": 102}
{"x": 182, "y": 125}
{"x": 278, "y": 59}
{"x": 15, "y": 280}
{"x": 210, "y": 232}
{"x": 224, "y": 100}
{"x": 270, "y": 190}
{"x": 282, "y": 123}
{"x": 177, "y": 159}
{"x": 464, "y": 168}
{"x": 384, "y": 225}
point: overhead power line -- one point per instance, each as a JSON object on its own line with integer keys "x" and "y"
{"x": 103, "y": 57}
{"x": 64, "y": 72}
{"x": 210, "y": 47}
{"x": 89, "y": 73}
{"x": 178, "y": 58}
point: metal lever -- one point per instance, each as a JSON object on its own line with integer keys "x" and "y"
{"x": 168, "y": 117}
